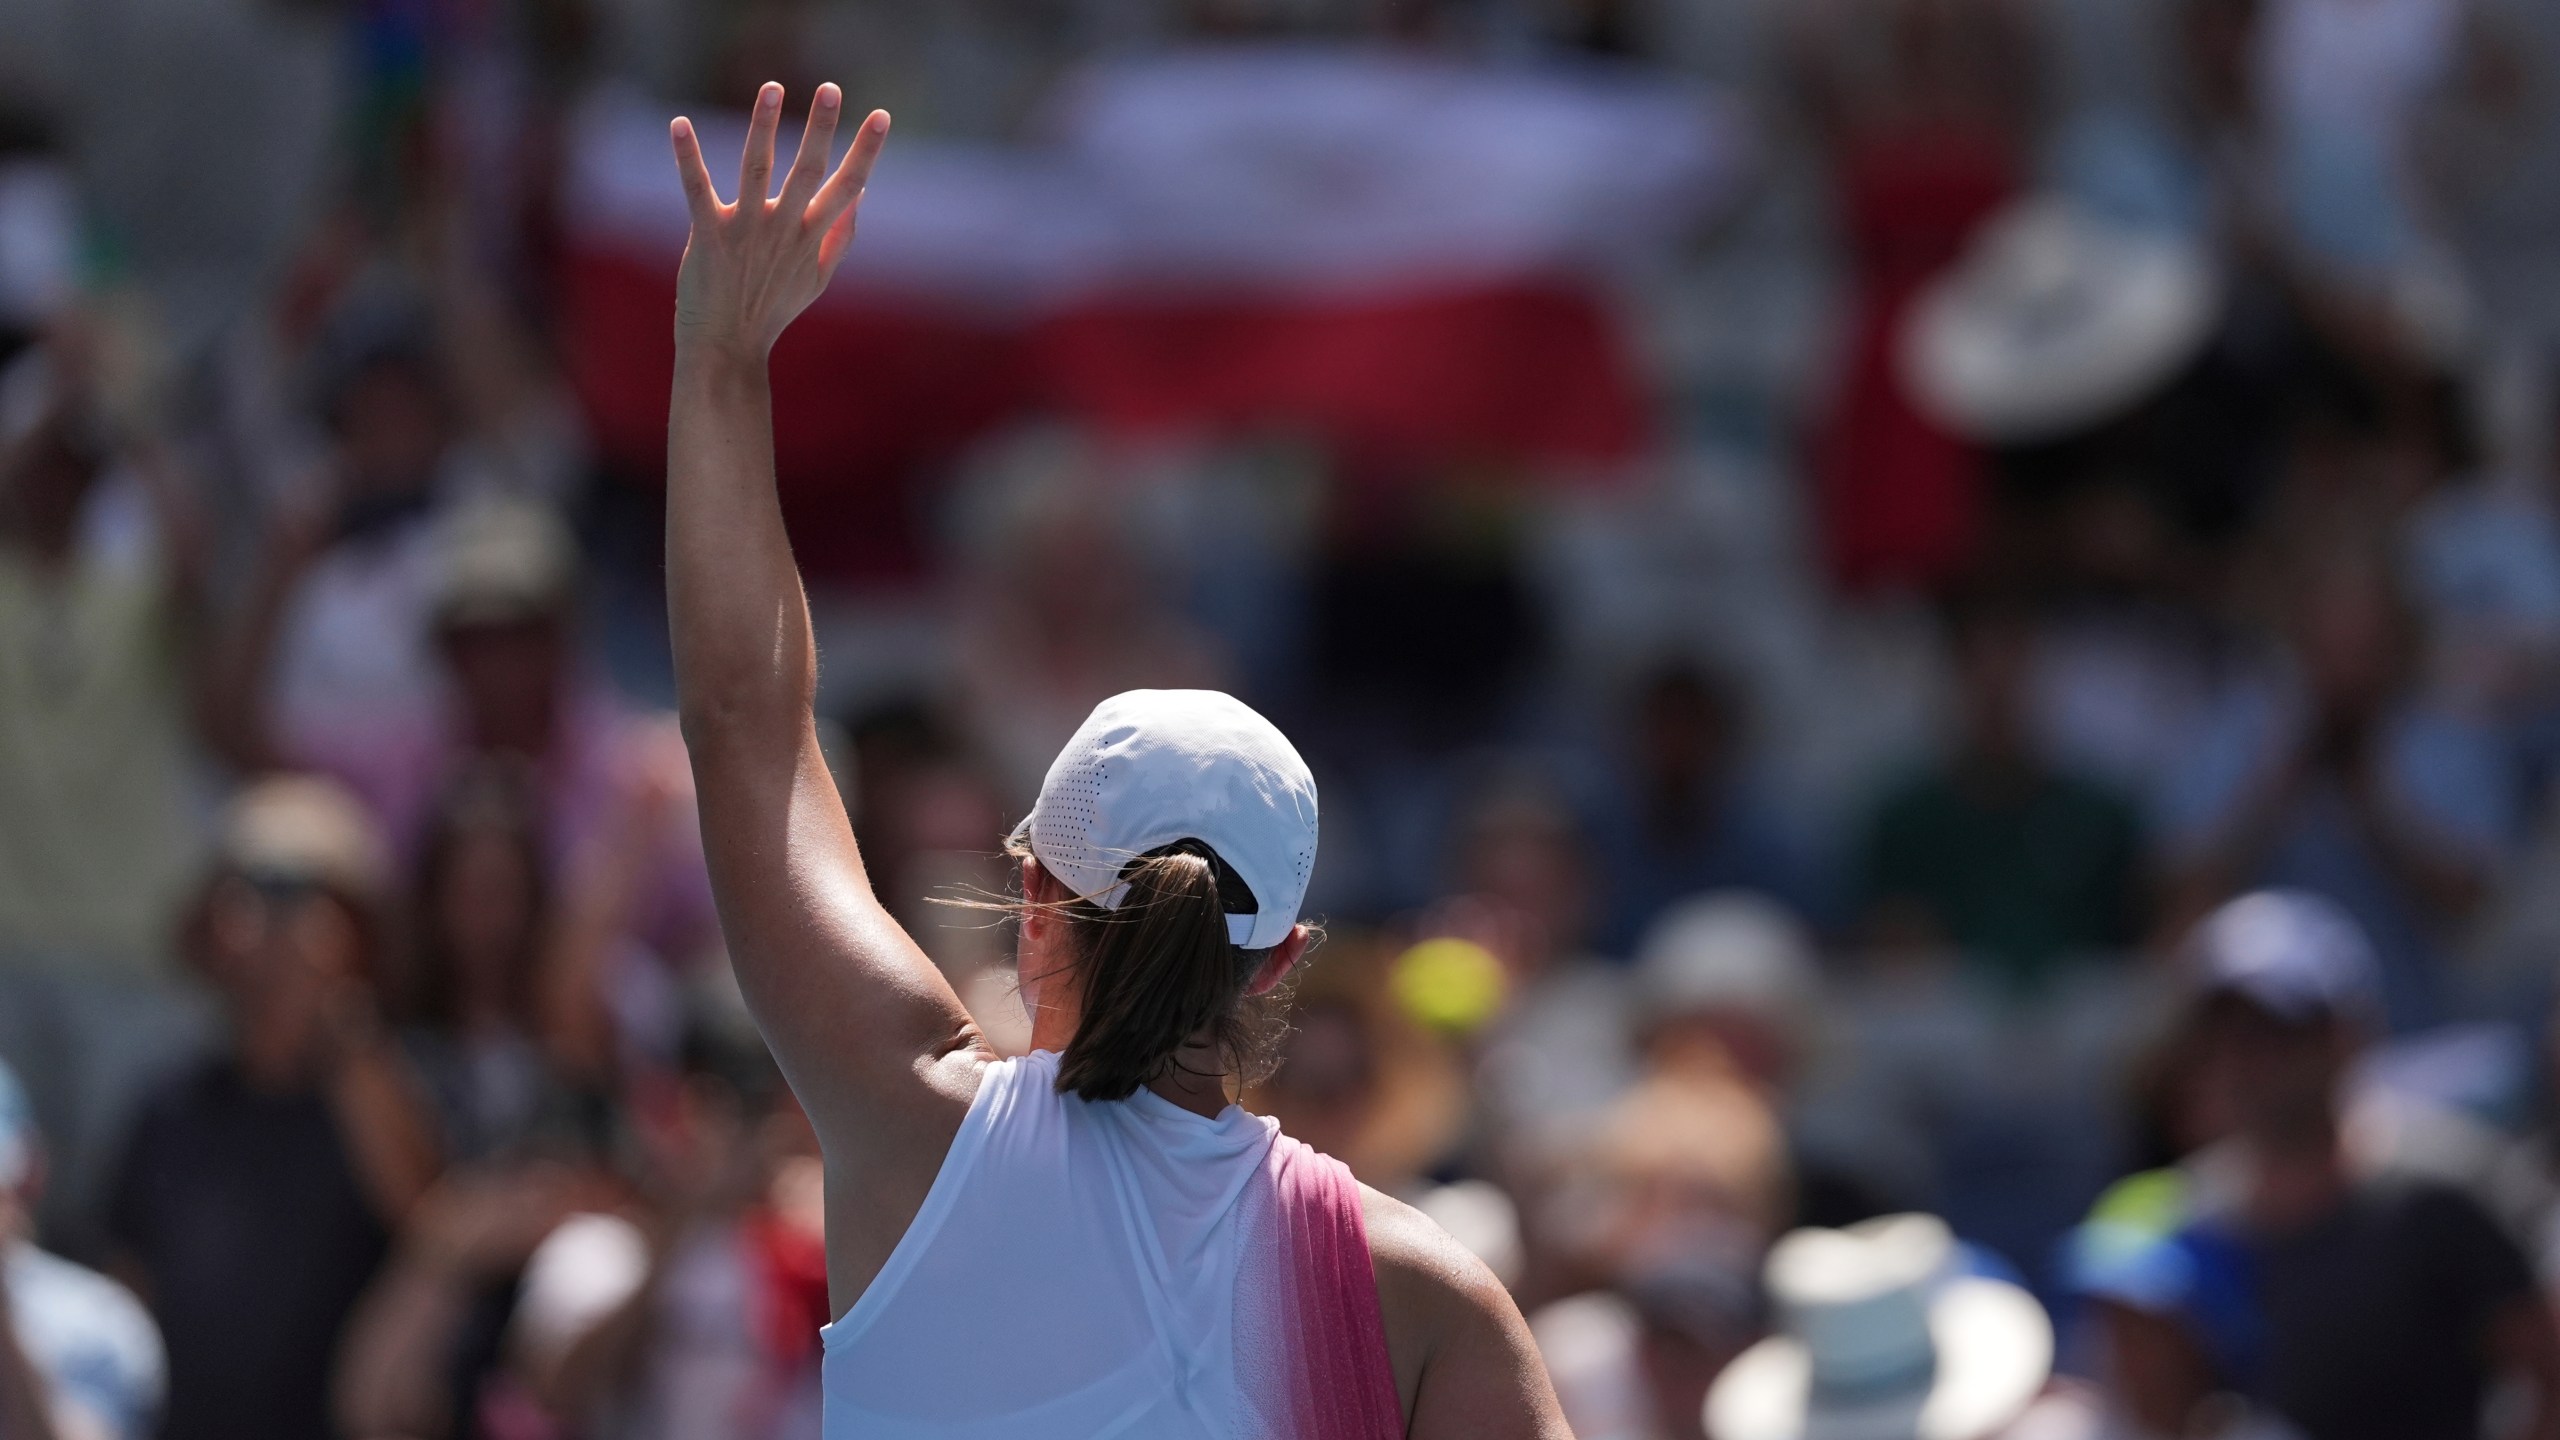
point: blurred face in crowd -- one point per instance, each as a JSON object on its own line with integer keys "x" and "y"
{"x": 1995, "y": 656}
{"x": 288, "y": 955}
{"x": 487, "y": 909}
{"x": 708, "y": 1144}
{"x": 1527, "y": 859}
{"x": 2352, "y": 638}
{"x": 1755, "y": 1046}
{"x": 2271, "y": 1081}
{"x": 507, "y": 678}
{"x": 1327, "y": 1078}
{"x": 1683, "y": 735}
{"x": 392, "y": 429}
{"x": 924, "y": 822}
{"x": 1075, "y": 582}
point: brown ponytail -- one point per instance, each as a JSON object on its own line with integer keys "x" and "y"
{"x": 1157, "y": 970}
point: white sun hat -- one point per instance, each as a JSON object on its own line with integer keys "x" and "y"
{"x": 1882, "y": 1339}
{"x": 2057, "y": 319}
{"x": 1152, "y": 767}
{"x": 1730, "y": 949}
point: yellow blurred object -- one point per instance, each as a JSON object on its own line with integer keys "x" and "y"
{"x": 1449, "y": 984}
{"x": 1359, "y": 1077}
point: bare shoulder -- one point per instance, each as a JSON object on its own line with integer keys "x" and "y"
{"x": 1426, "y": 1264}
{"x": 1464, "y": 1362}
{"x": 873, "y": 1199}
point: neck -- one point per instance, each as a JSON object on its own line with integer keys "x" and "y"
{"x": 1196, "y": 1082}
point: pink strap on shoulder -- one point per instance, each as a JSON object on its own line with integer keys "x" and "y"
{"x": 1342, "y": 1386}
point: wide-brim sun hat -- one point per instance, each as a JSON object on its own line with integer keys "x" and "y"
{"x": 2057, "y": 320}
{"x": 1883, "y": 1338}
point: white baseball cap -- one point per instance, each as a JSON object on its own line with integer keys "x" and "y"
{"x": 2296, "y": 955}
{"x": 1149, "y": 768}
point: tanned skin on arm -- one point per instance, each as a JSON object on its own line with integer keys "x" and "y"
{"x": 1465, "y": 1366}
{"x": 870, "y": 1035}
{"x": 878, "y": 1048}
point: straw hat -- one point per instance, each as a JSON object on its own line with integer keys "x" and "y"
{"x": 1883, "y": 1339}
{"x": 504, "y": 559}
{"x": 308, "y": 829}
{"x": 2056, "y": 320}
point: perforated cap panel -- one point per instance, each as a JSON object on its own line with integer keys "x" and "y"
{"x": 1152, "y": 767}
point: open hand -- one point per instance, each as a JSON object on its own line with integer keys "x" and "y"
{"x": 751, "y": 266}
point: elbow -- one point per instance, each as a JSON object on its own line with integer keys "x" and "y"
{"x": 721, "y": 722}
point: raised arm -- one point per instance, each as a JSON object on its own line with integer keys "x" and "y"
{"x": 871, "y": 1037}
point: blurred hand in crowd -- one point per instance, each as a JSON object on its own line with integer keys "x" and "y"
{"x": 470, "y": 1234}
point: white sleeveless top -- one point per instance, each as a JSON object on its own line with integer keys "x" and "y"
{"x": 1090, "y": 1269}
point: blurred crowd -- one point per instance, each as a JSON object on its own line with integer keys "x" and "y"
{"x": 1988, "y": 873}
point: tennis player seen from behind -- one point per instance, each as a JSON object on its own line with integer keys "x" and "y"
{"x": 1090, "y": 1240}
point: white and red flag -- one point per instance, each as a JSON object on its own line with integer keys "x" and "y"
{"x": 1404, "y": 256}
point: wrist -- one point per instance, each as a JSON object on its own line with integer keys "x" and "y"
{"x": 719, "y": 357}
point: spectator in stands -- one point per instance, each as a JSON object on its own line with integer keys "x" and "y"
{"x": 693, "y": 1315}
{"x": 100, "y": 600}
{"x": 2349, "y": 781}
{"x": 260, "y": 1189}
{"x": 1731, "y": 981}
{"x": 1676, "y": 1194}
{"x": 1061, "y": 606}
{"x": 1892, "y": 1330}
{"x": 423, "y": 1356}
{"x": 507, "y": 1019}
{"x": 923, "y": 802}
{"x": 1358, "y": 1079}
{"x": 1556, "y": 1054}
{"x": 610, "y": 784}
{"x": 515, "y": 1008}
{"x": 101, "y": 674}
{"x": 1994, "y": 852}
{"x": 332, "y": 651}
{"x": 79, "y": 1356}
{"x": 2273, "y": 1269}
{"x": 432, "y": 397}
{"x": 1686, "y": 815}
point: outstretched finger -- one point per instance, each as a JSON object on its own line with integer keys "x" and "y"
{"x": 755, "y": 168}
{"x": 845, "y": 186}
{"x": 809, "y": 167}
{"x": 699, "y": 197}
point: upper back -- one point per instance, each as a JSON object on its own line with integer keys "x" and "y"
{"x": 1123, "y": 1267}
